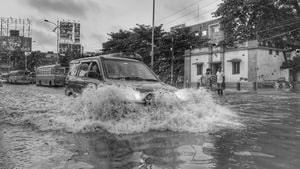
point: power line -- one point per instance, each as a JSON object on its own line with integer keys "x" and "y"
{"x": 289, "y": 20}
{"x": 197, "y": 16}
{"x": 190, "y": 12}
{"x": 280, "y": 34}
{"x": 163, "y": 18}
{"x": 278, "y": 27}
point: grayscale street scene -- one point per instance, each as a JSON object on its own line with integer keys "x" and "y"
{"x": 150, "y": 84}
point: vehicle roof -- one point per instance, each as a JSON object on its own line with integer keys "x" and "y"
{"x": 48, "y": 66}
{"x": 115, "y": 56}
{"x": 15, "y": 71}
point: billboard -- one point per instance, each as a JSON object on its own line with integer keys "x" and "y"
{"x": 72, "y": 48}
{"x": 77, "y": 33}
{"x": 12, "y": 43}
{"x": 66, "y": 32}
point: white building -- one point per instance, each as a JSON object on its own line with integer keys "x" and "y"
{"x": 247, "y": 63}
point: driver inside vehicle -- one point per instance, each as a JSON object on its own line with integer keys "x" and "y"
{"x": 94, "y": 72}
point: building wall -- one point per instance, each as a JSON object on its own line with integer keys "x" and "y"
{"x": 202, "y": 58}
{"x": 252, "y": 62}
{"x": 268, "y": 65}
{"x": 236, "y": 54}
{"x": 256, "y": 64}
{"x": 187, "y": 68}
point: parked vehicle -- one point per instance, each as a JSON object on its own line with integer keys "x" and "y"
{"x": 4, "y": 77}
{"x": 19, "y": 77}
{"x": 50, "y": 75}
{"x": 119, "y": 69}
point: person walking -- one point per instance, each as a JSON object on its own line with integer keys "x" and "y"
{"x": 220, "y": 80}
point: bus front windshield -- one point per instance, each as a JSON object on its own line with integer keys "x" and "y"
{"x": 128, "y": 70}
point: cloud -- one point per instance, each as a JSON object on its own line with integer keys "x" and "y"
{"x": 77, "y": 8}
{"x": 44, "y": 38}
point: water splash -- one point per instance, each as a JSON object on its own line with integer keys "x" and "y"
{"x": 107, "y": 108}
{"x": 184, "y": 110}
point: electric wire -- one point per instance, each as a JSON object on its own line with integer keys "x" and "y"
{"x": 163, "y": 18}
{"x": 278, "y": 26}
{"x": 207, "y": 5}
{"x": 280, "y": 34}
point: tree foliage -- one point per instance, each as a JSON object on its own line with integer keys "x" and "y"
{"x": 34, "y": 60}
{"x": 263, "y": 19}
{"x": 138, "y": 40}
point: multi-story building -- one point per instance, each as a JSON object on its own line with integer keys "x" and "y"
{"x": 15, "y": 37}
{"x": 246, "y": 63}
{"x": 69, "y": 37}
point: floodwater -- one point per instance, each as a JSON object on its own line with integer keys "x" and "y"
{"x": 40, "y": 128}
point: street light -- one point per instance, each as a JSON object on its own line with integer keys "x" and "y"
{"x": 57, "y": 28}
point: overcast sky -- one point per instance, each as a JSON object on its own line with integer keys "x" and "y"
{"x": 99, "y": 17}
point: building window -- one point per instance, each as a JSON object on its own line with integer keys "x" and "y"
{"x": 199, "y": 69}
{"x": 204, "y": 33}
{"x": 235, "y": 67}
{"x": 277, "y": 52}
{"x": 214, "y": 28}
{"x": 270, "y": 51}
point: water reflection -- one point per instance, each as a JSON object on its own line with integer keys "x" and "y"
{"x": 143, "y": 151}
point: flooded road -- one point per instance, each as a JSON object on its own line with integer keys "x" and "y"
{"x": 40, "y": 128}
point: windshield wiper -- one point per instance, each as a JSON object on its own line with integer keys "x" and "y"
{"x": 139, "y": 79}
{"x": 134, "y": 78}
{"x": 154, "y": 80}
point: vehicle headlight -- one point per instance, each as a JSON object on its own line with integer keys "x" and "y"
{"x": 149, "y": 97}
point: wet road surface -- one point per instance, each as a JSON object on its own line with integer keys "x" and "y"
{"x": 40, "y": 128}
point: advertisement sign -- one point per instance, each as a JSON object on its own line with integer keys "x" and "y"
{"x": 10, "y": 43}
{"x": 66, "y": 32}
{"x": 77, "y": 32}
{"x": 69, "y": 48}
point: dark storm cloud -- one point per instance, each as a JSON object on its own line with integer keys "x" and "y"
{"x": 77, "y": 8}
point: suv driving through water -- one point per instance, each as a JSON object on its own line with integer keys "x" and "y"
{"x": 118, "y": 69}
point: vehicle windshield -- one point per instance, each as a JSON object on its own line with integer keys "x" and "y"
{"x": 128, "y": 70}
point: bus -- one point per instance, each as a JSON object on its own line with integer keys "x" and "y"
{"x": 19, "y": 77}
{"x": 51, "y": 75}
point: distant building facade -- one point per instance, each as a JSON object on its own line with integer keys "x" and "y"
{"x": 246, "y": 63}
{"x": 15, "y": 36}
{"x": 69, "y": 37}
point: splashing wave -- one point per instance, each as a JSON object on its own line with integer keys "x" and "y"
{"x": 186, "y": 110}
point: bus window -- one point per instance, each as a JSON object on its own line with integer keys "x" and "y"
{"x": 60, "y": 71}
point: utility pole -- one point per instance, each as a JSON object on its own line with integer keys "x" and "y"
{"x": 1, "y": 28}
{"x": 57, "y": 43}
{"x": 152, "y": 44}
{"x": 172, "y": 61}
{"x": 57, "y": 29}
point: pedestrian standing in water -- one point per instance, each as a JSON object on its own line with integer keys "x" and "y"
{"x": 206, "y": 79}
{"x": 220, "y": 81}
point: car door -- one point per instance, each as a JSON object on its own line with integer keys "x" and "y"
{"x": 94, "y": 75}
{"x": 80, "y": 80}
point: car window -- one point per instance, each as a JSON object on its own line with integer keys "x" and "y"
{"x": 73, "y": 69}
{"x": 94, "y": 71}
{"x": 83, "y": 69}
